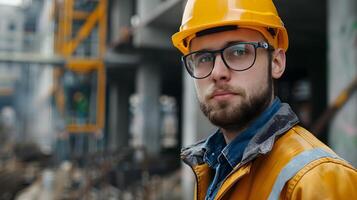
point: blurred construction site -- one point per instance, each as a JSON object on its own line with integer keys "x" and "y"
{"x": 95, "y": 104}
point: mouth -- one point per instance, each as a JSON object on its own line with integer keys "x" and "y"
{"x": 222, "y": 95}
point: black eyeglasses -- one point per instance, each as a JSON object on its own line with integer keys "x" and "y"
{"x": 238, "y": 57}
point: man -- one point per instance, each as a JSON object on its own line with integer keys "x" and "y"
{"x": 234, "y": 49}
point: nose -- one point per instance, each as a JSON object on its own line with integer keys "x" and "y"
{"x": 220, "y": 71}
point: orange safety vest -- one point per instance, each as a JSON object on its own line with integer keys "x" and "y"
{"x": 299, "y": 166}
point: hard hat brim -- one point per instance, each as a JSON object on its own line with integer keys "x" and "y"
{"x": 180, "y": 38}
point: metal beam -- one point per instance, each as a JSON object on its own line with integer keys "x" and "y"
{"x": 111, "y": 59}
{"x": 30, "y": 58}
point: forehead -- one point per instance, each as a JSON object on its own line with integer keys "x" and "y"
{"x": 221, "y": 39}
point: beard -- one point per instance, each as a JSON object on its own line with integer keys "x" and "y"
{"x": 237, "y": 115}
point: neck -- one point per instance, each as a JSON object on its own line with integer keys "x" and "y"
{"x": 229, "y": 135}
{"x": 232, "y": 132}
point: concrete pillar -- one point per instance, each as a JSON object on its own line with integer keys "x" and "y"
{"x": 195, "y": 127}
{"x": 119, "y": 93}
{"x": 148, "y": 90}
{"x": 342, "y": 69}
{"x": 40, "y": 127}
{"x": 113, "y": 117}
{"x": 123, "y": 113}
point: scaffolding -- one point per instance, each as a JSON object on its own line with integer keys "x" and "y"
{"x": 80, "y": 38}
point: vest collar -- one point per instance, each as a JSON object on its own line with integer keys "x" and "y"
{"x": 261, "y": 143}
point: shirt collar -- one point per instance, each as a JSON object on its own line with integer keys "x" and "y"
{"x": 233, "y": 152}
{"x": 213, "y": 148}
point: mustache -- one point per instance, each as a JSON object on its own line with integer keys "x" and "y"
{"x": 225, "y": 88}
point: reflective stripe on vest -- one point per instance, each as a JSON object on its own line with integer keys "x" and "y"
{"x": 294, "y": 166}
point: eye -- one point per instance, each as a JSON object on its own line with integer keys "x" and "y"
{"x": 239, "y": 50}
{"x": 203, "y": 58}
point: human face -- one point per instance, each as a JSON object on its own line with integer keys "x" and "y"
{"x": 231, "y": 99}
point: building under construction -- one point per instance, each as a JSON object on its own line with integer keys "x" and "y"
{"x": 95, "y": 103}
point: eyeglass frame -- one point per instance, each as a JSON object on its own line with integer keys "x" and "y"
{"x": 256, "y": 45}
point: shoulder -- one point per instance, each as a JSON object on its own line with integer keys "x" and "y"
{"x": 288, "y": 146}
{"x": 193, "y": 155}
{"x": 323, "y": 178}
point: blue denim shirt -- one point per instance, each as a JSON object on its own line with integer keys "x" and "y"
{"x": 222, "y": 157}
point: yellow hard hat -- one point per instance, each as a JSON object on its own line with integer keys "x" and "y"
{"x": 260, "y": 15}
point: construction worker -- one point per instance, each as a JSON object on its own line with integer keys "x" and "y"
{"x": 234, "y": 49}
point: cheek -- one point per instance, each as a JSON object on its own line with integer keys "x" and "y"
{"x": 199, "y": 86}
{"x": 254, "y": 80}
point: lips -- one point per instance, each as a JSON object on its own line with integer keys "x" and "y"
{"x": 221, "y": 94}
{"x": 225, "y": 92}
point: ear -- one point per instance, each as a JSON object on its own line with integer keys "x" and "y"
{"x": 278, "y": 63}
